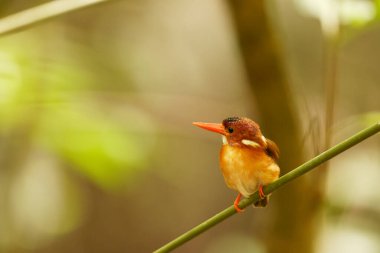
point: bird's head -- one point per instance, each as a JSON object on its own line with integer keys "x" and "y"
{"x": 237, "y": 131}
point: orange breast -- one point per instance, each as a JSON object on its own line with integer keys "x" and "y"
{"x": 244, "y": 169}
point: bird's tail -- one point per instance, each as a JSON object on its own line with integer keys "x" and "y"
{"x": 262, "y": 202}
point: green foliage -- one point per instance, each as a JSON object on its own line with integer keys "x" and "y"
{"x": 105, "y": 152}
{"x": 56, "y": 97}
{"x": 377, "y": 5}
{"x": 11, "y": 82}
{"x": 370, "y": 117}
{"x": 335, "y": 14}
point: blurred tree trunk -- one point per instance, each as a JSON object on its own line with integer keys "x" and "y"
{"x": 293, "y": 227}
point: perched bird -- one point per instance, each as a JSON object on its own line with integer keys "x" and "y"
{"x": 247, "y": 158}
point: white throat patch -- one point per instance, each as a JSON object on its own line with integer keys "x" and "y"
{"x": 224, "y": 140}
{"x": 250, "y": 143}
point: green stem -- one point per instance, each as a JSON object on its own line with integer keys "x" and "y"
{"x": 297, "y": 172}
{"x": 40, "y": 13}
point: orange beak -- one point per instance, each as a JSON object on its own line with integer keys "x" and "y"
{"x": 213, "y": 127}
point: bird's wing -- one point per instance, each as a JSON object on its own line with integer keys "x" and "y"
{"x": 272, "y": 150}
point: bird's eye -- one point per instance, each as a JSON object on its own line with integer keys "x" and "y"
{"x": 230, "y": 130}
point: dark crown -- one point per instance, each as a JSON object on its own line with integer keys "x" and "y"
{"x": 231, "y": 119}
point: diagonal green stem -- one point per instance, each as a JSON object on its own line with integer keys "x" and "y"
{"x": 297, "y": 172}
{"x": 41, "y": 13}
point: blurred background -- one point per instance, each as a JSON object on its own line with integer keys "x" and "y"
{"x": 97, "y": 150}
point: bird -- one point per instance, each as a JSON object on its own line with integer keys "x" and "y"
{"x": 248, "y": 160}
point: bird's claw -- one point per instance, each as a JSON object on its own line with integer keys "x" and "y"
{"x": 236, "y": 204}
{"x": 237, "y": 208}
{"x": 261, "y": 192}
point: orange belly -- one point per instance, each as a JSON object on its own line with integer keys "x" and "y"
{"x": 244, "y": 169}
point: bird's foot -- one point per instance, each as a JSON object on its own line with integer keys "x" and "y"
{"x": 236, "y": 204}
{"x": 261, "y": 192}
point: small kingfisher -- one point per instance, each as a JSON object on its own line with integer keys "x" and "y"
{"x": 248, "y": 160}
